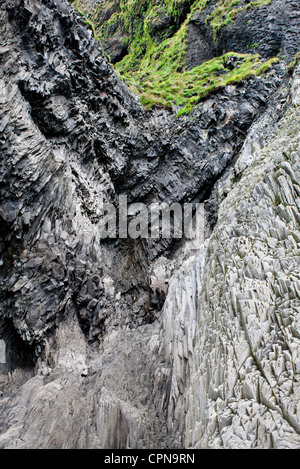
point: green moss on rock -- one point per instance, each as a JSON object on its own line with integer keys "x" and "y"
{"x": 227, "y": 10}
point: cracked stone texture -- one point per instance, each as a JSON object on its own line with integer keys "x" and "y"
{"x": 269, "y": 30}
{"x": 95, "y": 358}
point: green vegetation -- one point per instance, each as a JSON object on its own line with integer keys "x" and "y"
{"x": 156, "y": 35}
{"x": 294, "y": 63}
{"x": 165, "y": 86}
{"x": 254, "y": 45}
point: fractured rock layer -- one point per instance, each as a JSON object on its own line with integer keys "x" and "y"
{"x": 95, "y": 355}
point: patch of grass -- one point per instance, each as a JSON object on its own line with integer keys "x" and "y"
{"x": 208, "y": 78}
{"x": 227, "y": 10}
{"x": 255, "y": 45}
{"x": 154, "y": 67}
{"x": 277, "y": 200}
{"x": 160, "y": 87}
{"x": 164, "y": 84}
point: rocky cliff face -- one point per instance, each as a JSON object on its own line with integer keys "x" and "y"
{"x": 123, "y": 343}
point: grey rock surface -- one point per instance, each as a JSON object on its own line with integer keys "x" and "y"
{"x": 246, "y": 373}
{"x": 270, "y": 30}
{"x": 130, "y": 344}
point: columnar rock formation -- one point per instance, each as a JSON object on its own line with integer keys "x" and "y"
{"x": 122, "y": 343}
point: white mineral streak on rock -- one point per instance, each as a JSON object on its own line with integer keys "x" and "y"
{"x": 244, "y": 389}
